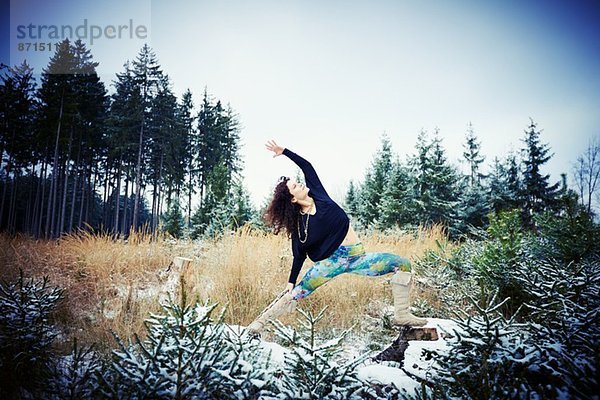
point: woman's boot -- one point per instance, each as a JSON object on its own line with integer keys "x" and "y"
{"x": 401, "y": 283}
{"x": 282, "y": 305}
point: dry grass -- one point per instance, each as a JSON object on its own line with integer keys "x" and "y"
{"x": 248, "y": 270}
{"x": 112, "y": 285}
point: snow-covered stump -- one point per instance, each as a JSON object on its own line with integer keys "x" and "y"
{"x": 395, "y": 352}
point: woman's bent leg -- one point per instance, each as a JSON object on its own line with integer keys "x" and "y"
{"x": 376, "y": 264}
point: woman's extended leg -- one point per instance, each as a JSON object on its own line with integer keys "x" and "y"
{"x": 320, "y": 273}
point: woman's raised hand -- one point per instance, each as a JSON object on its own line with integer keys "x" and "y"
{"x": 274, "y": 147}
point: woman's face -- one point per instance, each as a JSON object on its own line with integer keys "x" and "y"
{"x": 299, "y": 191}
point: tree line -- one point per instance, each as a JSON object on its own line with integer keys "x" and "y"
{"x": 427, "y": 188}
{"x": 76, "y": 157}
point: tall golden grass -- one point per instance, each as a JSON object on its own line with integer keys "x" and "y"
{"x": 113, "y": 285}
{"x": 247, "y": 270}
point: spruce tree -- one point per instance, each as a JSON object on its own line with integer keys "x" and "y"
{"x": 498, "y": 194}
{"x": 229, "y": 132}
{"x": 187, "y": 119}
{"x": 352, "y": 200}
{"x": 27, "y": 336}
{"x": 147, "y": 76}
{"x": 311, "y": 370}
{"x": 89, "y": 142}
{"x": 173, "y": 220}
{"x": 435, "y": 183}
{"x": 17, "y": 139}
{"x": 213, "y": 215}
{"x": 207, "y": 144}
{"x": 472, "y": 156}
{"x": 538, "y": 195}
{"x": 122, "y": 138}
{"x": 240, "y": 206}
{"x": 72, "y": 112}
{"x": 504, "y": 187}
{"x": 398, "y": 203}
{"x": 187, "y": 353}
{"x": 58, "y": 104}
{"x": 473, "y": 208}
{"x": 166, "y": 148}
{"x": 375, "y": 183}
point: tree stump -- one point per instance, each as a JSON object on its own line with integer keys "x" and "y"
{"x": 395, "y": 352}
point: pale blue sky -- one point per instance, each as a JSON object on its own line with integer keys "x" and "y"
{"x": 327, "y": 78}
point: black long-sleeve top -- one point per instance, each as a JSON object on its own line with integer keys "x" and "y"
{"x": 326, "y": 229}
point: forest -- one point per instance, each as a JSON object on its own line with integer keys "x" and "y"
{"x": 76, "y": 158}
{"x": 101, "y": 187}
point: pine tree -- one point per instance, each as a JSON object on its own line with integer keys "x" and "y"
{"x": 17, "y": 106}
{"x": 505, "y": 185}
{"x": 472, "y": 156}
{"x": 187, "y": 354}
{"x": 173, "y": 220}
{"x": 147, "y": 77}
{"x": 435, "y": 183}
{"x": 483, "y": 360}
{"x": 26, "y": 336}
{"x": 187, "y": 119}
{"x": 538, "y": 195}
{"x": 352, "y": 200}
{"x": 240, "y": 206}
{"x": 375, "y": 182}
{"x": 311, "y": 370}
{"x": 58, "y": 106}
{"x": 398, "y": 202}
{"x": 473, "y": 208}
{"x": 122, "y": 137}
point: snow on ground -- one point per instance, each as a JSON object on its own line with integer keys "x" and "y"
{"x": 387, "y": 373}
{"x": 413, "y": 364}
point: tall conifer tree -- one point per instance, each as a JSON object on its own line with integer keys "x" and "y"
{"x": 538, "y": 195}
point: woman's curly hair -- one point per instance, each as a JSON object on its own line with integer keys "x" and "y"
{"x": 282, "y": 214}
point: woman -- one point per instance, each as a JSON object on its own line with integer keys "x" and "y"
{"x": 320, "y": 229}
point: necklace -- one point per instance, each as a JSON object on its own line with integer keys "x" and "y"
{"x": 305, "y": 225}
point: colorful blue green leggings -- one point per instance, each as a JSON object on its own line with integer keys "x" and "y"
{"x": 351, "y": 259}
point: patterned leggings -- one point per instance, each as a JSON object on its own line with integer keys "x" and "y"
{"x": 351, "y": 259}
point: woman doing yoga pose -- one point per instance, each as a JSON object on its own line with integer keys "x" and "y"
{"x": 321, "y": 230}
